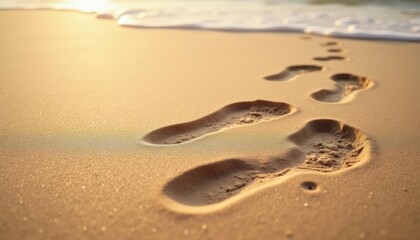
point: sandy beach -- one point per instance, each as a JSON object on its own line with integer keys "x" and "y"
{"x": 111, "y": 132}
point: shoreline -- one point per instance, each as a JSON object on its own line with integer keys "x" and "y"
{"x": 298, "y": 17}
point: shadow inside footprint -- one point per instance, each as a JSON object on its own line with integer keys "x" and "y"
{"x": 236, "y": 114}
{"x": 293, "y": 71}
{"x": 331, "y": 145}
{"x": 216, "y": 182}
{"x": 329, "y": 58}
{"x": 347, "y": 84}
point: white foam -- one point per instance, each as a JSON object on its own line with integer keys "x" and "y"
{"x": 366, "y": 22}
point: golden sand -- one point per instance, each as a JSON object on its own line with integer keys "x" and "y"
{"x": 118, "y": 133}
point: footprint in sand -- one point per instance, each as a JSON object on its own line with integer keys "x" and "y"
{"x": 347, "y": 85}
{"x": 331, "y": 145}
{"x": 329, "y": 44}
{"x": 334, "y": 50}
{"x": 293, "y": 71}
{"x": 330, "y": 58}
{"x": 216, "y": 182}
{"x": 236, "y": 114}
{"x": 322, "y": 145}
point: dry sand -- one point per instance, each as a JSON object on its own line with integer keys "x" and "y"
{"x": 119, "y": 133}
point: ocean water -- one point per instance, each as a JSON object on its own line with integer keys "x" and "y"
{"x": 374, "y": 19}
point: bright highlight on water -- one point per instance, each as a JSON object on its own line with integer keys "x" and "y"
{"x": 389, "y": 20}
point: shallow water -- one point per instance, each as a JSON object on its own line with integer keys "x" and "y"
{"x": 374, "y": 19}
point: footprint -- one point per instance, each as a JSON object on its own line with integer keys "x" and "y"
{"x": 293, "y": 71}
{"x": 322, "y": 145}
{"x": 334, "y": 50}
{"x": 236, "y": 114}
{"x": 328, "y": 44}
{"x": 216, "y": 182}
{"x": 331, "y": 145}
{"x": 347, "y": 85}
{"x": 330, "y": 58}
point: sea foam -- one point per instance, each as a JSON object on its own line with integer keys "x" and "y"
{"x": 387, "y": 22}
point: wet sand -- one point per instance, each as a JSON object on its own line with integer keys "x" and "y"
{"x": 122, "y": 133}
